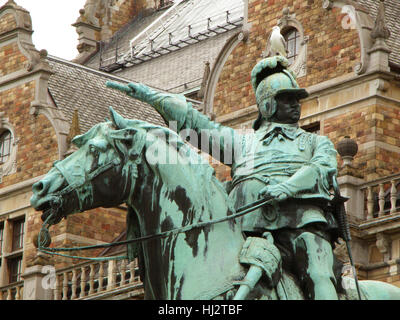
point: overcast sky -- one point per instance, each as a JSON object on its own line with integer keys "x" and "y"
{"x": 52, "y": 28}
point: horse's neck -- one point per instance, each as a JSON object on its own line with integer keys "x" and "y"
{"x": 172, "y": 195}
{"x": 166, "y": 201}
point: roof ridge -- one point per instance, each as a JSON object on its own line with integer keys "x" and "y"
{"x": 94, "y": 71}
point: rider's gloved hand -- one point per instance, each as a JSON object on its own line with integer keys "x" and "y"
{"x": 279, "y": 192}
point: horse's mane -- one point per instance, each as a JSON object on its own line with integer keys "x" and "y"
{"x": 177, "y": 142}
{"x": 184, "y": 150}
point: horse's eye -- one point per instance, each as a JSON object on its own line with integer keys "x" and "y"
{"x": 93, "y": 149}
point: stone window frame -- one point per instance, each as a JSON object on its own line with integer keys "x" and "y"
{"x": 10, "y": 165}
{"x": 288, "y": 21}
{"x": 295, "y": 39}
{"x": 11, "y": 256}
{"x": 6, "y": 140}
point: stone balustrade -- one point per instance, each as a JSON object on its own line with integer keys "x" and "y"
{"x": 13, "y": 291}
{"x": 111, "y": 279}
{"x": 381, "y": 197}
{"x": 90, "y": 279}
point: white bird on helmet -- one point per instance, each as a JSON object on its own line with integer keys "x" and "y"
{"x": 277, "y": 42}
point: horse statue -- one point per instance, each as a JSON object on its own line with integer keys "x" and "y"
{"x": 167, "y": 186}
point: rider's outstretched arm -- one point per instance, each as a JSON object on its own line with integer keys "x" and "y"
{"x": 213, "y": 138}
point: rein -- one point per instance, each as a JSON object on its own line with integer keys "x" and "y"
{"x": 55, "y": 251}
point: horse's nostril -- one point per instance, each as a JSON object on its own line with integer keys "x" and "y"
{"x": 39, "y": 187}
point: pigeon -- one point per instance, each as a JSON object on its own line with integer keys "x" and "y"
{"x": 277, "y": 42}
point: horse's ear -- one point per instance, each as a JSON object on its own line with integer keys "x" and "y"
{"x": 119, "y": 121}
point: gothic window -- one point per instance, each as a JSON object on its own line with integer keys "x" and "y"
{"x": 5, "y": 146}
{"x": 292, "y": 37}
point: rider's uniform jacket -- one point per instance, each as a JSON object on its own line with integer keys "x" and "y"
{"x": 300, "y": 163}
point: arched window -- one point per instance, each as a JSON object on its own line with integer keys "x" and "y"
{"x": 5, "y": 146}
{"x": 292, "y": 37}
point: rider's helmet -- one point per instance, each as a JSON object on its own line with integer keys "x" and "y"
{"x": 269, "y": 78}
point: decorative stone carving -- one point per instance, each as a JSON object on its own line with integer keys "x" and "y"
{"x": 379, "y": 53}
{"x": 374, "y": 51}
{"x": 86, "y": 26}
{"x": 24, "y": 35}
{"x": 383, "y": 243}
{"x": 88, "y": 14}
{"x": 243, "y": 35}
{"x": 380, "y": 30}
{"x": 347, "y": 148}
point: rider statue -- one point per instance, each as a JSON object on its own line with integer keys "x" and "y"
{"x": 278, "y": 160}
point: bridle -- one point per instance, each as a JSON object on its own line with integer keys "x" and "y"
{"x": 78, "y": 186}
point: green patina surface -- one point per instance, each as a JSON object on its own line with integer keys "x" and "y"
{"x": 280, "y": 251}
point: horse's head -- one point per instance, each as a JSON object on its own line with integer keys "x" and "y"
{"x": 96, "y": 175}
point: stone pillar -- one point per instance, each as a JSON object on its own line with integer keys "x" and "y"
{"x": 86, "y": 30}
{"x": 39, "y": 279}
{"x": 349, "y": 187}
{"x": 349, "y": 179}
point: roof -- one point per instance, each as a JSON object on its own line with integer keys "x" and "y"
{"x": 73, "y": 86}
{"x": 392, "y": 14}
{"x": 180, "y": 71}
{"x": 114, "y": 48}
{"x": 182, "y": 37}
{"x": 185, "y": 23}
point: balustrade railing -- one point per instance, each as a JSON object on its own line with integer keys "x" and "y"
{"x": 382, "y": 197}
{"x": 13, "y": 291}
{"x": 91, "y": 278}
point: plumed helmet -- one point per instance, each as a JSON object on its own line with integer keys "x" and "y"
{"x": 269, "y": 78}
